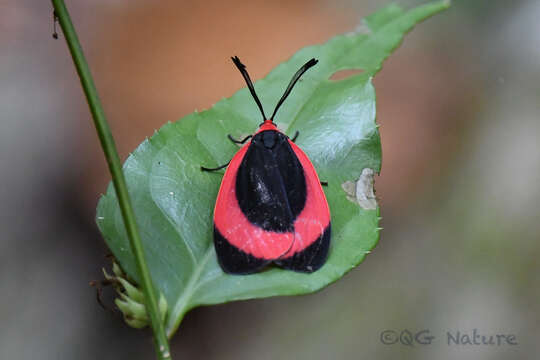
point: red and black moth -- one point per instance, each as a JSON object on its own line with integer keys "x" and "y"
{"x": 271, "y": 207}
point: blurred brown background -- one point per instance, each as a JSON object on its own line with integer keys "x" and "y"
{"x": 459, "y": 188}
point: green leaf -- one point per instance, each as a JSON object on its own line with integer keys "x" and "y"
{"x": 174, "y": 200}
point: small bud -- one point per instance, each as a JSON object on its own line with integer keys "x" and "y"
{"x": 131, "y": 300}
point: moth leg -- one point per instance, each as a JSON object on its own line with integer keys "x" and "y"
{"x": 239, "y": 141}
{"x": 295, "y": 136}
{"x": 324, "y": 183}
{"x": 216, "y": 168}
{"x": 234, "y": 141}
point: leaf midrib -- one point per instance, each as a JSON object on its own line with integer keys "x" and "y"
{"x": 175, "y": 316}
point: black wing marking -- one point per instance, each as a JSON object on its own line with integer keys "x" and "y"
{"x": 270, "y": 183}
{"x": 311, "y": 258}
{"x": 234, "y": 260}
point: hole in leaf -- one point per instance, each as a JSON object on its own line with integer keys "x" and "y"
{"x": 361, "y": 192}
{"x": 344, "y": 74}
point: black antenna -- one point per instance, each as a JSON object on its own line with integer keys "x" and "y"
{"x": 294, "y": 79}
{"x": 245, "y": 74}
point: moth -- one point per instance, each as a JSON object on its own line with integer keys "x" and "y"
{"x": 271, "y": 207}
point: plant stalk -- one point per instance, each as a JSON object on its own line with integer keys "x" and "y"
{"x": 115, "y": 167}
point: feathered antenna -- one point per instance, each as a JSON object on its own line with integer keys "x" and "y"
{"x": 294, "y": 79}
{"x": 245, "y": 74}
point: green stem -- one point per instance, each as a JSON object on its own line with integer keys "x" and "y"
{"x": 115, "y": 167}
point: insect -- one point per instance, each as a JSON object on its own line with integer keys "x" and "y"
{"x": 271, "y": 207}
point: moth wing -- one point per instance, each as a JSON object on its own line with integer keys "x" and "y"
{"x": 312, "y": 226}
{"x": 243, "y": 247}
